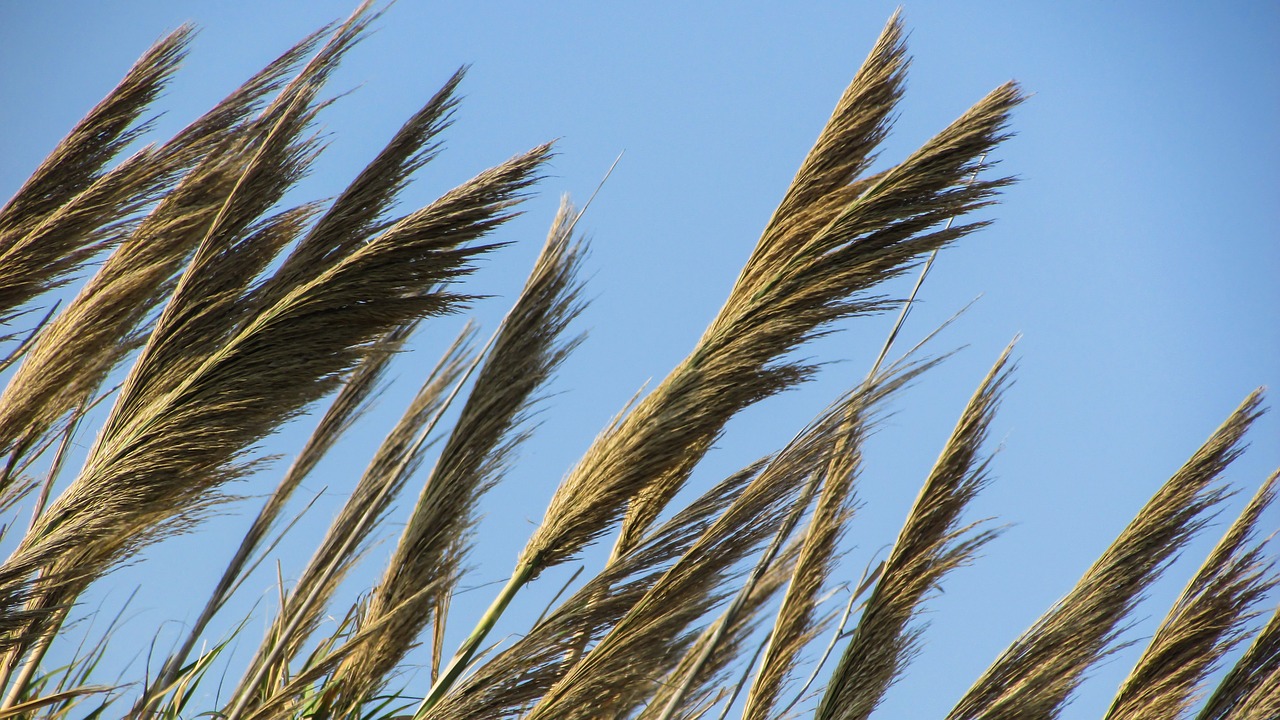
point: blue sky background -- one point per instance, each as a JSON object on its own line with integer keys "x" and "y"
{"x": 1138, "y": 255}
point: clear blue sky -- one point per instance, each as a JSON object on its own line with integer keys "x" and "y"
{"x": 1138, "y": 256}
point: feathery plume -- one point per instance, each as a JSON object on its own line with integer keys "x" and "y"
{"x": 351, "y": 402}
{"x": 109, "y": 317}
{"x": 1204, "y": 624}
{"x": 397, "y": 458}
{"x": 802, "y": 276}
{"x": 526, "y": 352}
{"x": 834, "y": 477}
{"x": 931, "y": 543}
{"x": 521, "y": 674}
{"x": 70, "y": 209}
{"x": 646, "y": 644}
{"x": 223, "y": 368}
{"x": 1243, "y": 690}
{"x": 349, "y": 221}
{"x": 694, "y": 683}
{"x": 797, "y": 622}
{"x": 1036, "y": 675}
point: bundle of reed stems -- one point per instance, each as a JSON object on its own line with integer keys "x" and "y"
{"x": 228, "y": 312}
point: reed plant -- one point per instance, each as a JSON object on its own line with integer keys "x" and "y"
{"x": 216, "y": 309}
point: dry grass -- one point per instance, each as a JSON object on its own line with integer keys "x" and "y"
{"x": 1036, "y": 675}
{"x": 230, "y": 313}
{"x": 932, "y": 542}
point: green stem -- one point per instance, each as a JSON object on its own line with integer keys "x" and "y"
{"x": 462, "y": 659}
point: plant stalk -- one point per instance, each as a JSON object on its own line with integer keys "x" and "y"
{"x": 462, "y": 658}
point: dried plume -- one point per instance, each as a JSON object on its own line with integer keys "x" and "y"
{"x": 1036, "y": 675}
{"x": 1207, "y": 621}
{"x": 932, "y": 542}
{"x": 352, "y": 401}
{"x": 797, "y": 621}
{"x": 360, "y": 210}
{"x": 526, "y": 351}
{"x": 1251, "y": 687}
{"x": 105, "y": 321}
{"x": 350, "y": 220}
{"x": 815, "y": 263}
{"x": 72, "y": 355}
{"x": 697, "y": 681}
{"x": 616, "y": 675}
{"x": 520, "y": 675}
{"x": 225, "y": 366}
{"x": 70, "y": 208}
{"x": 398, "y": 457}
{"x": 801, "y": 276}
{"x": 1251, "y": 690}
{"x": 125, "y": 518}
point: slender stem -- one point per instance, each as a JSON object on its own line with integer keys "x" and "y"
{"x": 746, "y": 675}
{"x": 26, "y": 344}
{"x": 924, "y": 272}
{"x": 462, "y": 659}
{"x": 55, "y": 467}
{"x": 232, "y": 577}
{"x": 564, "y": 588}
